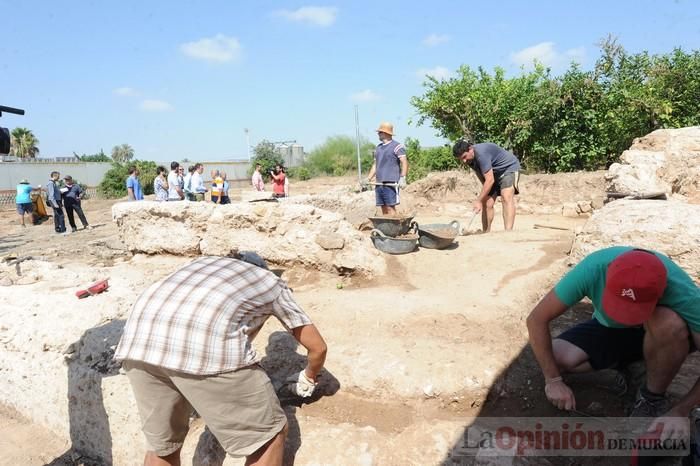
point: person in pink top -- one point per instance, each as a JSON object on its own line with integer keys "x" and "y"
{"x": 258, "y": 183}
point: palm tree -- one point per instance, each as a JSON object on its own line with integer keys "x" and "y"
{"x": 122, "y": 153}
{"x": 23, "y": 143}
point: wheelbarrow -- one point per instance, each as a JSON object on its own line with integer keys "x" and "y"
{"x": 391, "y": 245}
{"x": 393, "y": 226}
{"x": 437, "y": 235}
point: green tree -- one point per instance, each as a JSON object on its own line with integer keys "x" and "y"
{"x": 113, "y": 184}
{"x": 98, "y": 157}
{"x": 577, "y": 120}
{"x": 266, "y": 155}
{"x": 122, "y": 153}
{"x": 23, "y": 143}
{"x": 338, "y": 156}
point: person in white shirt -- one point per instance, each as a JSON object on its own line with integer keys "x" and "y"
{"x": 197, "y": 182}
{"x": 258, "y": 183}
{"x": 187, "y": 189}
{"x": 174, "y": 190}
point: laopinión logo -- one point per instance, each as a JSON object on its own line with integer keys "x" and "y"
{"x": 567, "y": 436}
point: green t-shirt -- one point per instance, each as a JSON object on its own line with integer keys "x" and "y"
{"x": 587, "y": 279}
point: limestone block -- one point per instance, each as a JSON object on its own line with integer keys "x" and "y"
{"x": 670, "y": 227}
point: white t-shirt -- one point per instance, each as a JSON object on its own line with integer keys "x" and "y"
{"x": 173, "y": 184}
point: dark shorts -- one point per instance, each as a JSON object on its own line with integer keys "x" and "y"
{"x": 610, "y": 348}
{"x": 224, "y": 200}
{"x": 506, "y": 180}
{"x": 25, "y": 208}
{"x": 387, "y": 195}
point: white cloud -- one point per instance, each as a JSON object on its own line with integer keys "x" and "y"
{"x": 126, "y": 92}
{"x": 439, "y": 72}
{"x": 153, "y": 105}
{"x": 322, "y": 16}
{"x": 436, "y": 39}
{"x": 547, "y": 54}
{"x": 365, "y": 96}
{"x": 218, "y": 49}
{"x": 578, "y": 55}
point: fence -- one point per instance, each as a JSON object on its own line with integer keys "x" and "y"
{"x": 37, "y": 173}
{"x": 91, "y": 173}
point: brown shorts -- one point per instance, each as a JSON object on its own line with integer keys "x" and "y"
{"x": 240, "y": 408}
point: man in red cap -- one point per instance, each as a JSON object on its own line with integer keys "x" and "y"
{"x": 645, "y": 308}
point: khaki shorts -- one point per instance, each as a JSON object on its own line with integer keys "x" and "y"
{"x": 240, "y": 408}
{"x": 507, "y": 180}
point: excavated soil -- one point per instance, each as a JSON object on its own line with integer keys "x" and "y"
{"x": 414, "y": 355}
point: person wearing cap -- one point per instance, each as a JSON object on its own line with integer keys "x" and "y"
{"x": 499, "y": 172}
{"x": 645, "y": 308}
{"x": 72, "y": 197}
{"x": 23, "y": 199}
{"x": 188, "y": 345}
{"x": 54, "y": 198}
{"x": 390, "y": 168}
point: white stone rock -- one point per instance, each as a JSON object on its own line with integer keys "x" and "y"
{"x": 569, "y": 209}
{"x": 285, "y": 234}
{"x": 670, "y": 227}
{"x": 666, "y": 160}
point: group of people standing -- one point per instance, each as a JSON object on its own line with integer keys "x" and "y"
{"x": 67, "y": 195}
{"x": 178, "y": 186}
{"x": 280, "y": 181}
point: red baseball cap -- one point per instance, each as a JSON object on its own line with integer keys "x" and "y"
{"x": 635, "y": 282}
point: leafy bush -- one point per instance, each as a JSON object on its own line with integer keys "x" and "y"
{"x": 266, "y": 156}
{"x": 423, "y": 161}
{"x": 98, "y": 157}
{"x": 338, "y": 155}
{"x": 113, "y": 185}
{"x": 299, "y": 173}
{"x": 578, "y": 120}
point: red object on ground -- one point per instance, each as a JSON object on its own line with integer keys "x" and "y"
{"x": 96, "y": 288}
{"x": 635, "y": 459}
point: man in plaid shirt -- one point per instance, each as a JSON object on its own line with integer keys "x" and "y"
{"x": 187, "y": 344}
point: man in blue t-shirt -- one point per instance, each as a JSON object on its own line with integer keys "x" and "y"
{"x": 499, "y": 172}
{"x": 133, "y": 185}
{"x": 645, "y": 308}
{"x": 390, "y": 168}
{"x": 24, "y": 200}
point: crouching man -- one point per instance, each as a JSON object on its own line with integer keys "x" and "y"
{"x": 187, "y": 344}
{"x": 645, "y": 308}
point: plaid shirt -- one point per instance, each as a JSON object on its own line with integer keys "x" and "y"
{"x": 202, "y": 318}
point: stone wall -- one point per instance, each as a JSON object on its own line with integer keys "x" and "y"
{"x": 670, "y": 227}
{"x": 284, "y": 234}
{"x": 666, "y": 160}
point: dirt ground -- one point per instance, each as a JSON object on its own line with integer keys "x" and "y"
{"x": 434, "y": 317}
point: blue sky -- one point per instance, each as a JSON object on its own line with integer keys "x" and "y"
{"x": 181, "y": 79}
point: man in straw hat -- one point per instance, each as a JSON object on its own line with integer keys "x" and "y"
{"x": 390, "y": 168}
{"x": 645, "y": 308}
{"x": 188, "y": 344}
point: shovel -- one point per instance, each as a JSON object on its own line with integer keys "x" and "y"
{"x": 465, "y": 231}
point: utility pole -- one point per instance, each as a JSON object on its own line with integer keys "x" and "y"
{"x": 357, "y": 141}
{"x": 247, "y": 141}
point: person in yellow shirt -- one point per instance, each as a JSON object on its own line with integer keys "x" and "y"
{"x": 217, "y": 187}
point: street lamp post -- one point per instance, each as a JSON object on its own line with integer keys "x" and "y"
{"x": 247, "y": 141}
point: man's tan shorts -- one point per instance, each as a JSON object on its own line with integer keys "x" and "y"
{"x": 240, "y": 408}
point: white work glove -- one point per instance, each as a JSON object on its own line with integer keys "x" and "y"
{"x": 301, "y": 385}
{"x": 402, "y": 182}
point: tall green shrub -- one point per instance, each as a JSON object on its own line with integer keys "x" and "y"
{"x": 577, "y": 120}
{"x": 113, "y": 185}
